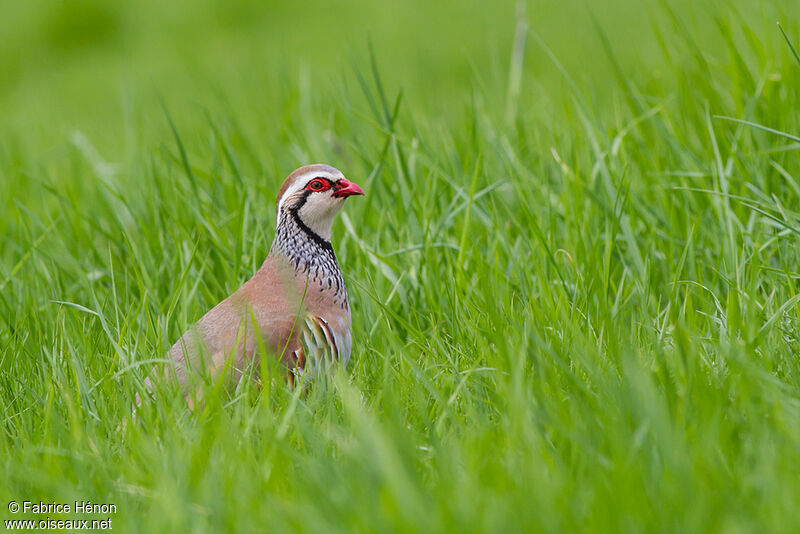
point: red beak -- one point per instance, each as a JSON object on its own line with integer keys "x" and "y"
{"x": 345, "y": 188}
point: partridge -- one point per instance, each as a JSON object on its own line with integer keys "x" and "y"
{"x": 296, "y": 304}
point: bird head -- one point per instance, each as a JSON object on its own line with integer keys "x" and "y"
{"x": 313, "y": 195}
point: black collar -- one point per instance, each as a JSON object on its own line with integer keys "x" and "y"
{"x": 308, "y": 231}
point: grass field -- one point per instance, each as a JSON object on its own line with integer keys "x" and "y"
{"x": 574, "y": 276}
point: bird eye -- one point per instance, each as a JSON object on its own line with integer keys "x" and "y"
{"x": 317, "y": 185}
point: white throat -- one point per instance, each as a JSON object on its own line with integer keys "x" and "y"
{"x": 318, "y": 213}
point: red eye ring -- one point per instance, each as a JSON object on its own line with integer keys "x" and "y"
{"x": 318, "y": 184}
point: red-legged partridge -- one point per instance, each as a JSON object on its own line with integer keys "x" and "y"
{"x": 296, "y": 303}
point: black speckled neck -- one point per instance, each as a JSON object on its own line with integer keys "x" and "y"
{"x": 310, "y": 254}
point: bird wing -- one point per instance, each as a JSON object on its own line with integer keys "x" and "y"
{"x": 318, "y": 345}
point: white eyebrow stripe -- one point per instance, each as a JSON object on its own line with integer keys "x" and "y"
{"x": 292, "y": 189}
{"x": 301, "y": 181}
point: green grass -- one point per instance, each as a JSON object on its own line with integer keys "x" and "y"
{"x": 574, "y": 281}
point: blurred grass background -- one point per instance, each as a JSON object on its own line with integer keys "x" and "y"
{"x": 574, "y": 282}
